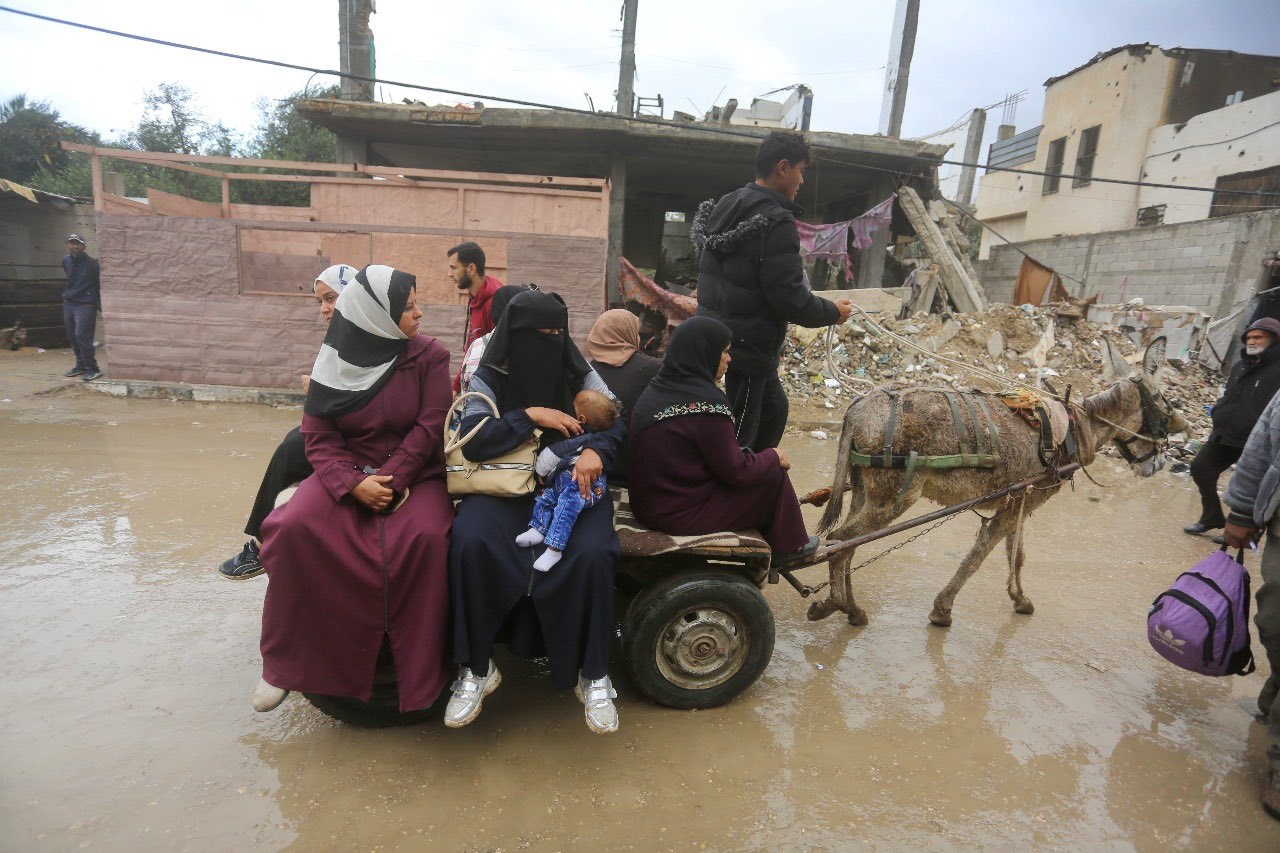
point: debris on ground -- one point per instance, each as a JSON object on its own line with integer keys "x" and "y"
{"x": 1048, "y": 345}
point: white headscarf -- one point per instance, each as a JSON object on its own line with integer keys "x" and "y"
{"x": 337, "y": 277}
{"x": 362, "y": 342}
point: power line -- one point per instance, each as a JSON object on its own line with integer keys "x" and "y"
{"x": 723, "y": 131}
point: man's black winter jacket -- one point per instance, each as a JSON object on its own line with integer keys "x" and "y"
{"x": 82, "y": 287}
{"x": 1251, "y": 385}
{"x": 751, "y": 277}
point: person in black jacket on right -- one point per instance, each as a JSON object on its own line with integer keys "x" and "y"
{"x": 752, "y": 279}
{"x": 1250, "y": 387}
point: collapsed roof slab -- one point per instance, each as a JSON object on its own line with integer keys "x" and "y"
{"x": 674, "y": 162}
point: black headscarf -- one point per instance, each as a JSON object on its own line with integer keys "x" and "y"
{"x": 686, "y": 384}
{"x": 502, "y": 296}
{"x": 362, "y": 342}
{"x": 542, "y": 370}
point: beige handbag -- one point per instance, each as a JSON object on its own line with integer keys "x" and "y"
{"x": 509, "y": 475}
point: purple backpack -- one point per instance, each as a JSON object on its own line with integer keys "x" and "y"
{"x": 1201, "y": 623}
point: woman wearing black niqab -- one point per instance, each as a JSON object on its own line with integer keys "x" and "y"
{"x": 531, "y": 370}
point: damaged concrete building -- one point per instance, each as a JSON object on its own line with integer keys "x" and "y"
{"x": 1175, "y": 117}
{"x": 655, "y": 167}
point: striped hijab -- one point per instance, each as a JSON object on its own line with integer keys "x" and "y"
{"x": 362, "y": 344}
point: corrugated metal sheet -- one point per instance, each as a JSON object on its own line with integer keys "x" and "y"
{"x": 1020, "y": 148}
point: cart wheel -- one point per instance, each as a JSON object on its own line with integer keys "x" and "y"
{"x": 383, "y": 708}
{"x": 697, "y": 640}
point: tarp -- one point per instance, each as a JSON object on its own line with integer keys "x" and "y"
{"x": 25, "y": 192}
{"x": 1034, "y": 281}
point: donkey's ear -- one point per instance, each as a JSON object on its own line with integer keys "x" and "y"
{"x": 1153, "y": 360}
{"x": 1113, "y": 366}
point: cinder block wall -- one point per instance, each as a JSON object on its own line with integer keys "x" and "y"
{"x": 1210, "y": 264}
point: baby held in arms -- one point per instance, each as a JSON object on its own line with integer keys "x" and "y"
{"x": 557, "y": 507}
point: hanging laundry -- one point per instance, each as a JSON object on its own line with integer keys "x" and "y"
{"x": 635, "y": 285}
{"x": 868, "y": 223}
{"x": 831, "y": 241}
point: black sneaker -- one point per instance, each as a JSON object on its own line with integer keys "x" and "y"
{"x": 247, "y": 564}
{"x": 92, "y": 374}
{"x": 74, "y": 372}
{"x": 805, "y": 552}
{"x": 1199, "y": 528}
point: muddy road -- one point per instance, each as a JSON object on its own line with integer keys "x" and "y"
{"x": 128, "y": 664}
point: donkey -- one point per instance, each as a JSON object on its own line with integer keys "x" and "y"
{"x": 1116, "y": 414}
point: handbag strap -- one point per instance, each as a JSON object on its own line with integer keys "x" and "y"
{"x": 459, "y": 440}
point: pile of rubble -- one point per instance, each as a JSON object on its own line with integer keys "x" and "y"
{"x": 1048, "y": 345}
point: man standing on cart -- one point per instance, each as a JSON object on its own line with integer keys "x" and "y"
{"x": 752, "y": 279}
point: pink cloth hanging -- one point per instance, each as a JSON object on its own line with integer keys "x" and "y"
{"x": 831, "y": 241}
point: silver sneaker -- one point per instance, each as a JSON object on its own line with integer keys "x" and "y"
{"x": 468, "y": 695}
{"x": 596, "y": 696}
{"x": 267, "y": 697}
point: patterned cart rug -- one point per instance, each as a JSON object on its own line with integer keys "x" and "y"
{"x": 639, "y": 541}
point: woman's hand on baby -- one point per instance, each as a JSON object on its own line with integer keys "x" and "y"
{"x": 585, "y": 471}
{"x": 784, "y": 461}
{"x": 554, "y": 419}
{"x": 374, "y": 492}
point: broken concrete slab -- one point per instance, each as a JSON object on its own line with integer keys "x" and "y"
{"x": 1182, "y": 326}
{"x": 870, "y": 299}
{"x": 962, "y": 286}
{"x": 995, "y": 345}
{"x": 948, "y": 331}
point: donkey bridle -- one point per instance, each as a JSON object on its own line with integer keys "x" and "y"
{"x": 1154, "y": 429}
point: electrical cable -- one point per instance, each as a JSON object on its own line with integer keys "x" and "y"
{"x": 723, "y": 131}
{"x": 1211, "y": 144}
{"x": 1016, "y": 247}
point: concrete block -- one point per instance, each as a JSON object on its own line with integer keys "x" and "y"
{"x": 223, "y": 394}
{"x": 1192, "y": 251}
{"x": 114, "y": 387}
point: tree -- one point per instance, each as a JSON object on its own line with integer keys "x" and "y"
{"x": 282, "y": 134}
{"x": 29, "y": 135}
{"x": 170, "y": 122}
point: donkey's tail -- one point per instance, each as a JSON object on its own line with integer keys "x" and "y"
{"x": 831, "y": 515}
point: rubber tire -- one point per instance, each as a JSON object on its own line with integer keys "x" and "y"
{"x": 383, "y": 708}
{"x": 655, "y": 607}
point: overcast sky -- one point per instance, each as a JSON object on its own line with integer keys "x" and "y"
{"x": 555, "y": 51}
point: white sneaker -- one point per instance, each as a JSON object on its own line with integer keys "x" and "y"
{"x": 596, "y": 696}
{"x": 468, "y": 695}
{"x": 266, "y": 697}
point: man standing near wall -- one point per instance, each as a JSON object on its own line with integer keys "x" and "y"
{"x": 752, "y": 279}
{"x": 466, "y": 268}
{"x": 81, "y": 302}
{"x": 1250, "y": 387}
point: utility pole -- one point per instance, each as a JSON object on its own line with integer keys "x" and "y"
{"x": 355, "y": 56}
{"x": 627, "y": 66}
{"x": 355, "y": 46}
{"x": 902, "y": 45}
{"x": 625, "y": 106}
{"x": 972, "y": 151}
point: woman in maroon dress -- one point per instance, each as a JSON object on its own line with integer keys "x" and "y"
{"x": 688, "y": 475}
{"x": 356, "y": 556}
